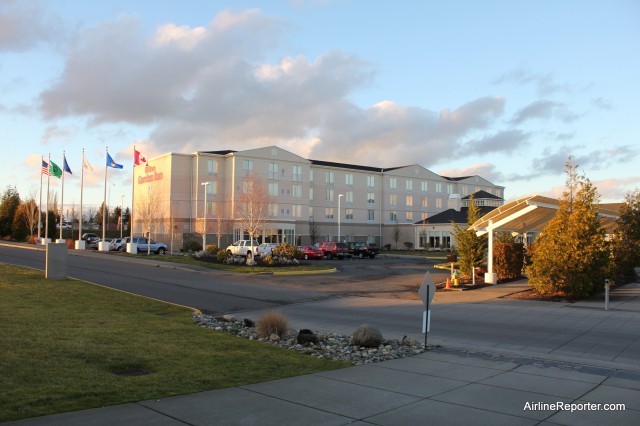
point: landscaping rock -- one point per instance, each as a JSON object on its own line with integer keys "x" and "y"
{"x": 249, "y": 323}
{"x": 329, "y": 346}
{"x": 306, "y": 336}
{"x": 367, "y": 336}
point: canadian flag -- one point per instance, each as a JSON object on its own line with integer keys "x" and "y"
{"x": 138, "y": 158}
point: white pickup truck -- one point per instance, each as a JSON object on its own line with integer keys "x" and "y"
{"x": 243, "y": 248}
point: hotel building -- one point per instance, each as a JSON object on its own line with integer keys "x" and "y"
{"x": 309, "y": 199}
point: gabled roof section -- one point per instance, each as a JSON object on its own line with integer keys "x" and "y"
{"x": 453, "y": 215}
{"x": 223, "y": 152}
{"x": 347, "y": 166}
{"x": 532, "y": 213}
{"x": 482, "y": 195}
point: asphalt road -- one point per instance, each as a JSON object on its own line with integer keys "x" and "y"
{"x": 222, "y": 292}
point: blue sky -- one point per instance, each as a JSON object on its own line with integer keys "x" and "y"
{"x": 507, "y": 90}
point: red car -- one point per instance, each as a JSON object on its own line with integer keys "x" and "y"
{"x": 308, "y": 252}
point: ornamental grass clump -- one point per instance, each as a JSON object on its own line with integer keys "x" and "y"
{"x": 272, "y": 322}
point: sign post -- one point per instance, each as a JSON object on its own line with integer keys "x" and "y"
{"x": 426, "y": 292}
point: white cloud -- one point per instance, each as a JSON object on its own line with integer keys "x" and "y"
{"x": 25, "y": 24}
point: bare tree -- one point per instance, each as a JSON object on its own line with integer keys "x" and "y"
{"x": 31, "y": 212}
{"x": 147, "y": 214}
{"x": 396, "y": 233}
{"x": 314, "y": 232}
{"x": 169, "y": 223}
{"x": 220, "y": 222}
{"x": 252, "y": 210}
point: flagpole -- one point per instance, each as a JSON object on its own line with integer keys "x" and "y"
{"x": 133, "y": 186}
{"x": 81, "y": 190}
{"x": 64, "y": 160}
{"x": 46, "y": 223}
{"x": 40, "y": 205}
{"x": 104, "y": 199}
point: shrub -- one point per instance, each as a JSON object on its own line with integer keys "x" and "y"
{"x": 222, "y": 255}
{"x": 386, "y": 247}
{"x": 272, "y": 322}
{"x": 194, "y": 246}
{"x": 286, "y": 251}
{"x": 268, "y": 260}
{"x": 408, "y": 245}
{"x": 212, "y": 250}
{"x": 508, "y": 260}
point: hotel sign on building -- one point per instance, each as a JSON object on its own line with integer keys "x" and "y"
{"x": 309, "y": 200}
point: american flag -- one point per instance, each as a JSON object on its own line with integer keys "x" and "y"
{"x": 45, "y": 168}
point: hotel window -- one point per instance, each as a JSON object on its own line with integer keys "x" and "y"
{"x": 212, "y": 167}
{"x": 328, "y": 176}
{"x": 329, "y": 195}
{"x": 371, "y": 215}
{"x": 409, "y": 185}
{"x": 425, "y": 201}
{"x": 274, "y": 171}
{"x": 438, "y": 187}
{"x": 393, "y": 216}
{"x": 310, "y": 212}
{"x": 296, "y": 190}
{"x": 424, "y": 186}
{"x": 310, "y": 175}
{"x": 348, "y": 196}
{"x": 393, "y": 199}
{"x": 438, "y": 203}
{"x": 296, "y": 174}
{"x": 273, "y": 189}
{"x": 348, "y": 214}
{"x": 273, "y": 210}
{"x": 285, "y": 212}
{"x": 328, "y": 212}
{"x": 409, "y": 216}
{"x": 371, "y": 197}
{"x": 371, "y": 181}
{"x": 449, "y": 188}
{"x": 310, "y": 194}
{"x": 247, "y": 167}
{"x": 348, "y": 179}
{"x": 296, "y": 210}
{"x": 393, "y": 183}
{"x": 212, "y": 188}
{"x": 424, "y": 216}
{"x": 409, "y": 200}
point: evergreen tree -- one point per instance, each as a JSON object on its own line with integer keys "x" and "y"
{"x": 472, "y": 249}
{"x": 20, "y": 226}
{"x": 625, "y": 243}
{"x": 570, "y": 256}
{"x": 8, "y": 206}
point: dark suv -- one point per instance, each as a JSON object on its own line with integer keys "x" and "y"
{"x": 332, "y": 249}
{"x": 362, "y": 250}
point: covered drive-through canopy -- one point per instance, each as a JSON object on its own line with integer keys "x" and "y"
{"x": 529, "y": 214}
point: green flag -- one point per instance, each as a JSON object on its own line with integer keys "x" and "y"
{"x": 55, "y": 170}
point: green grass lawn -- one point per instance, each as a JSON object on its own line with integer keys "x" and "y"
{"x": 62, "y": 341}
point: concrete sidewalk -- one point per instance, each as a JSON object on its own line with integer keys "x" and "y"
{"x": 437, "y": 387}
{"x": 563, "y": 383}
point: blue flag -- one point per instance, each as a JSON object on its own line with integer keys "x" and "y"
{"x": 65, "y": 166}
{"x": 111, "y": 163}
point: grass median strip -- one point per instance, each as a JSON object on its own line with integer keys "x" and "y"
{"x": 69, "y": 345}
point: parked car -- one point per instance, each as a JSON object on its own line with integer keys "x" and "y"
{"x": 91, "y": 240}
{"x": 310, "y": 252}
{"x": 243, "y": 248}
{"x": 332, "y": 249}
{"x": 145, "y": 245}
{"x": 266, "y": 249}
{"x": 116, "y": 245}
{"x": 362, "y": 250}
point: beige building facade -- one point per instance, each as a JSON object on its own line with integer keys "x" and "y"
{"x": 310, "y": 200}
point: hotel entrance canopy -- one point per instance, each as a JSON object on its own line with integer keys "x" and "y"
{"x": 530, "y": 214}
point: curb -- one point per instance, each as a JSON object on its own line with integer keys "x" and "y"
{"x": 321, "y": 271}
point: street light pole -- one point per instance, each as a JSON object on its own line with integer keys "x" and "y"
{"x": 204, "y": 232}
{"x": 339, "y": 197}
